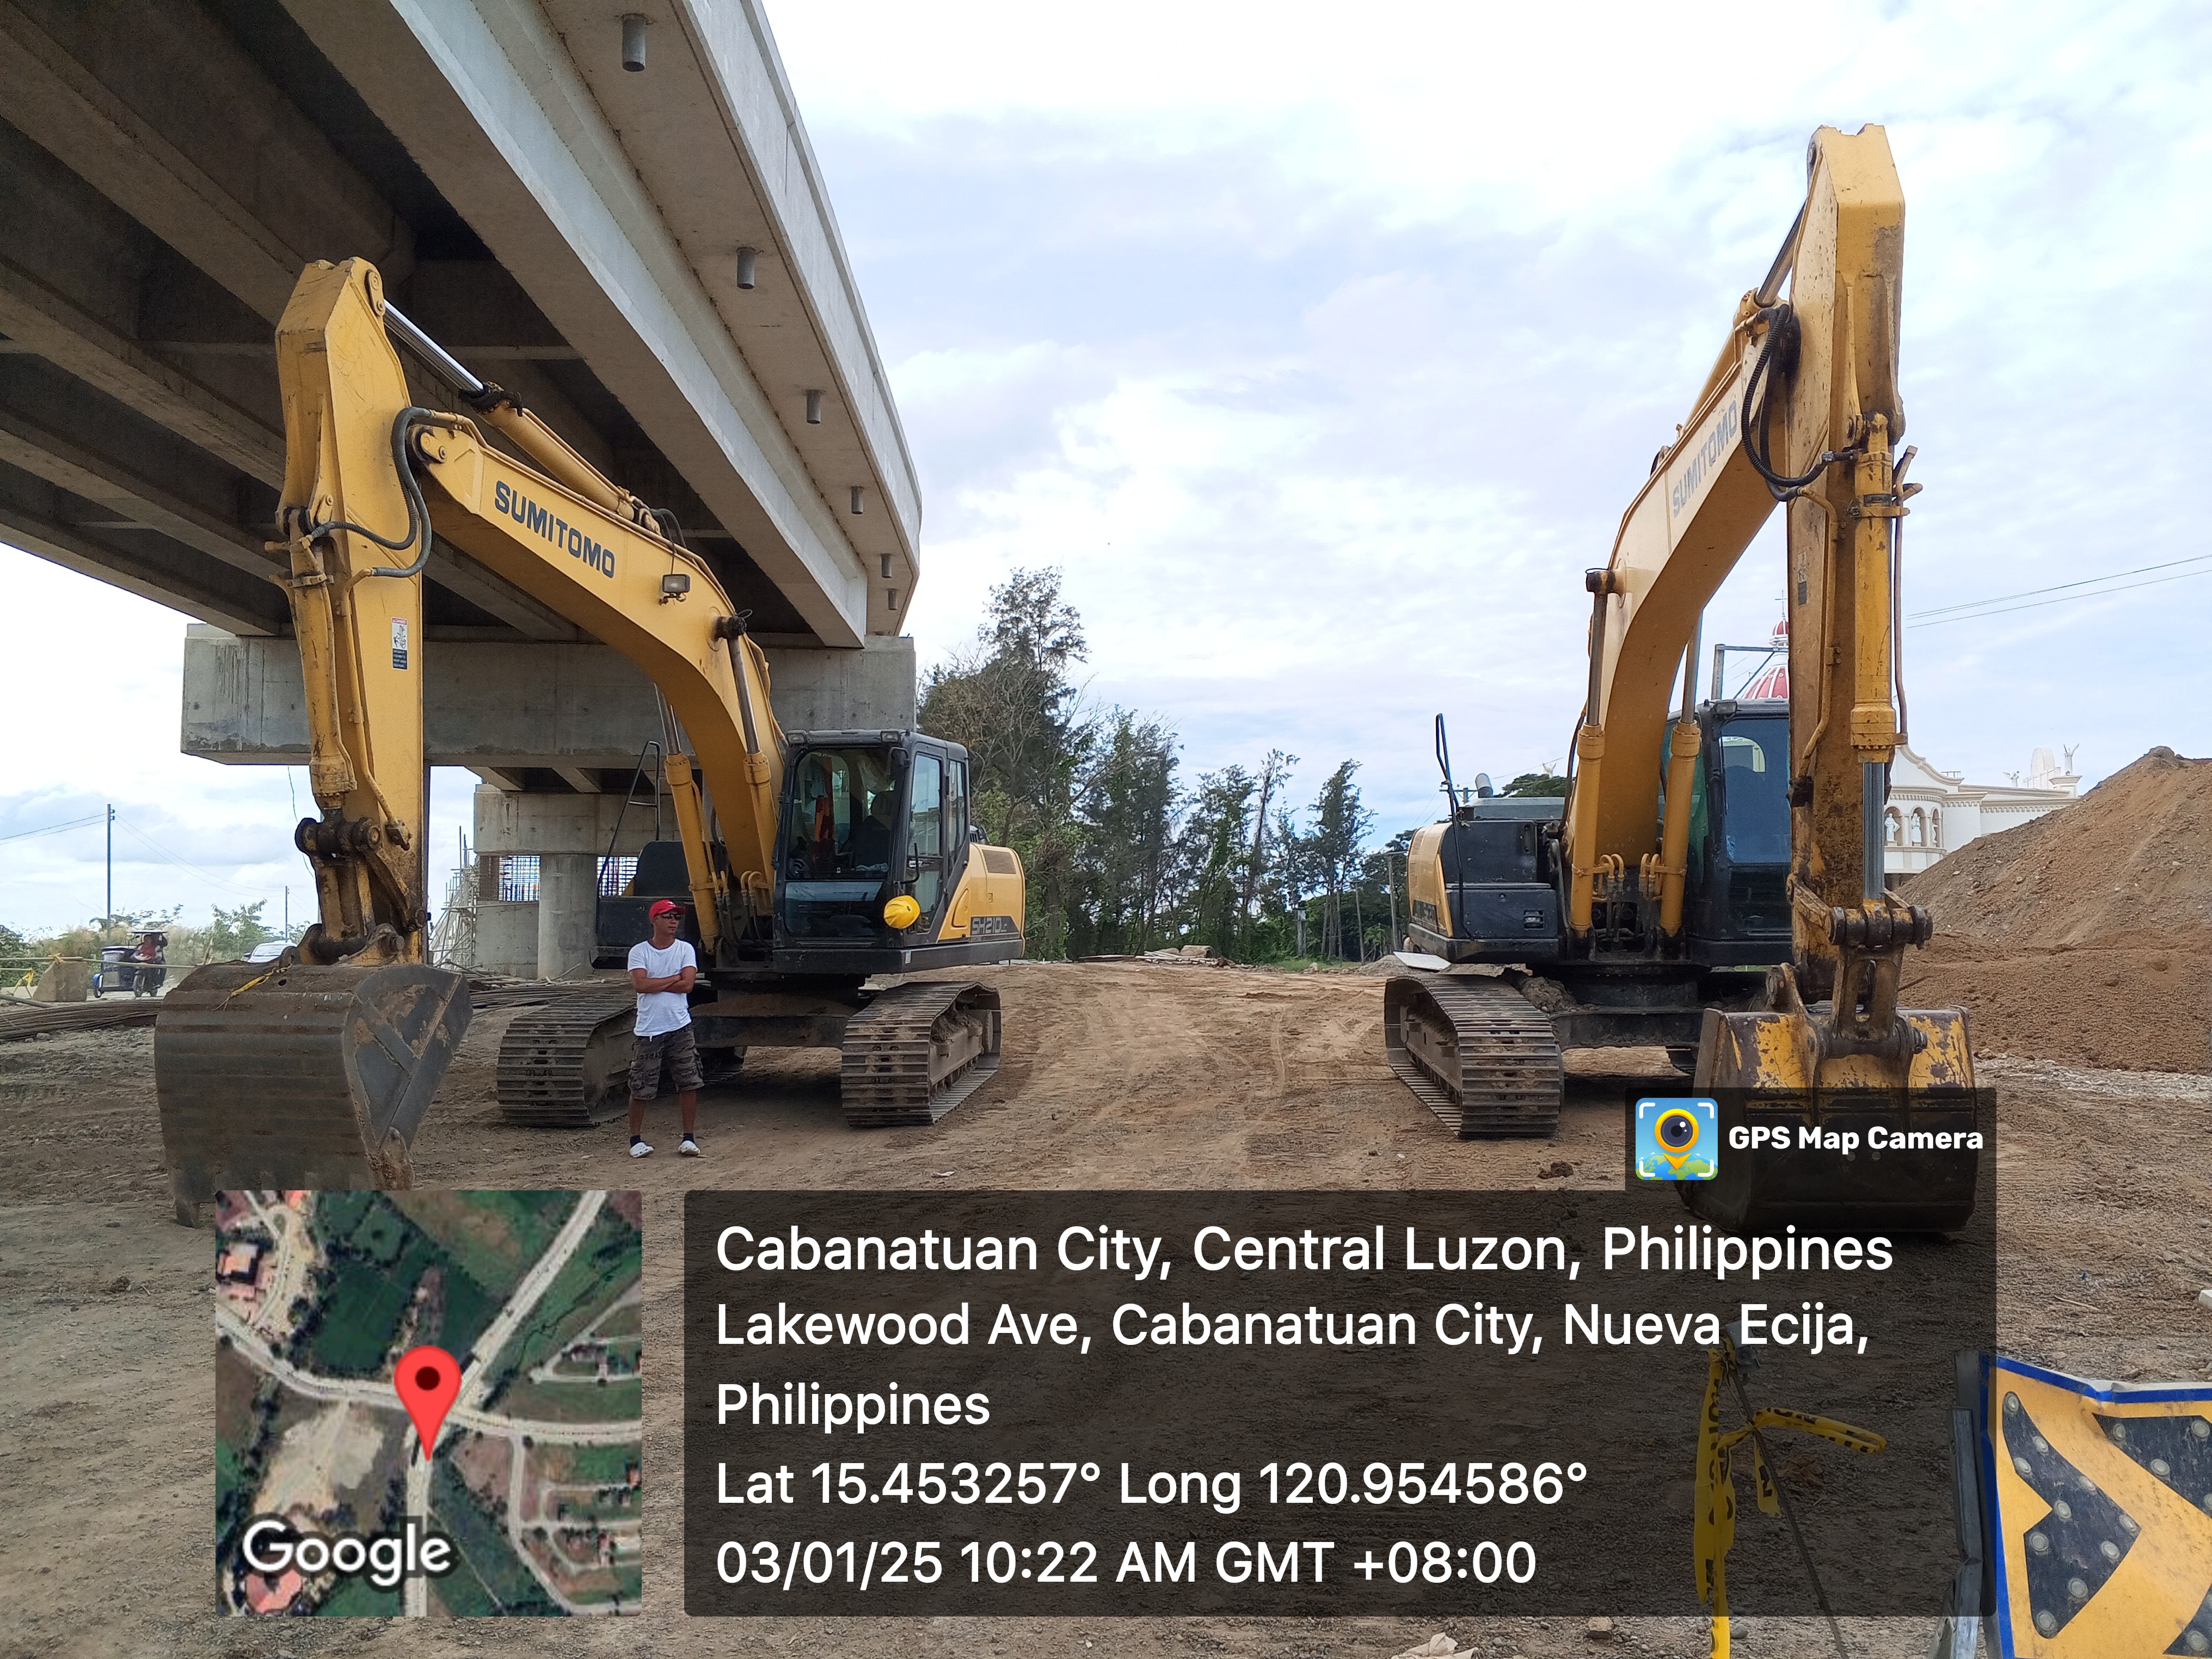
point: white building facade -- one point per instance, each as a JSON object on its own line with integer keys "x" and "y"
{"x": 1933, "y": 812}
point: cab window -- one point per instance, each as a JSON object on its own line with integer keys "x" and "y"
{"x": 839, "y": 833}
{"x": 926, "y": 834}
{"x": 1755, "y": 791}
{"x": 956, "y": 813}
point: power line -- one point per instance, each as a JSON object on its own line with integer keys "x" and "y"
{"x": 164, "y": 853}
{"x": 55, "y": 828}
{"x": 2086, "y": 581}
{"x": 2068, "y": 599}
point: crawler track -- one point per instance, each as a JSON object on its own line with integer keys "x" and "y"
{"x": 562, "y": 1065}
{"x": 1474, "y": 1052}
{"x": 917, "y": 1051}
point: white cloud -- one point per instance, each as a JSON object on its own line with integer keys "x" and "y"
{"x": 1323, "y": 348}
{"x": 94, "y": 690}
{"x": 1390, "y": 315}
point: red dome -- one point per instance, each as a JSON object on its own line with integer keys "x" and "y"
{"x": 1773, "y": 680}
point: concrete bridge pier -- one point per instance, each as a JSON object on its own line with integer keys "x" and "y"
{"x": 550, "y": 936}
{"x": 568, "y": 902}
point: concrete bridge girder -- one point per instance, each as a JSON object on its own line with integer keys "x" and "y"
{"x": 167, "y": 166}
{"x": 555, "y": 730}
{"x": 585, "y": 182}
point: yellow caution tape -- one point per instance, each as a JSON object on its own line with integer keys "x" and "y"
{"x": 1715, "y": 1532}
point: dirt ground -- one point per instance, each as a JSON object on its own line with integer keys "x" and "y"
{"x": 2084, "y": 936}
{"x": 1123, "y": 1075}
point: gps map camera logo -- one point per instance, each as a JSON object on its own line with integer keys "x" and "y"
{"x": 1677, "y": 1139}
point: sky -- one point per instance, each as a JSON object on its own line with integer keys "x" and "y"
{"x": 1321, "y": 349}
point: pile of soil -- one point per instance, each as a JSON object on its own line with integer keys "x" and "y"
{"x": 2085, "y": 935}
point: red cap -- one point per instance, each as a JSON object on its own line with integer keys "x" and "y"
{"x": 664, "y": 908}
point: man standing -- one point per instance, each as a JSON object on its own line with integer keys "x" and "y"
{"x": 662, "y": 970}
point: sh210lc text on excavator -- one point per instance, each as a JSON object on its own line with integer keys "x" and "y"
{"x": 1735, "y": 834}
{"x": 810, "y": 862}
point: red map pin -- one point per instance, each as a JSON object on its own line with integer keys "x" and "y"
{"x": 427, "y": 1382}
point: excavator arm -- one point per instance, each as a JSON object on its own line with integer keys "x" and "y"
{"x": 555, "y": 527}
{"x": 317, "y": 1070}
{"x": 1800, "y": 408}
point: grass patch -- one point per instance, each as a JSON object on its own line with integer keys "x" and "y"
{"x": 484, "y": 1553}
{"x": 626, "y": 1319}
{"x": 356, "y": 1598}
{"x": 360, "y": 1317}
{"x": 466, "y": 1308}
{"x": 235, "y": 1382}
{"x": 620, "y": 1399}
{"x": 606, "y": 1262}
{"x": 462, "y": 1593}
{"x": 377, "y": 1259}
{"x": 495, "y": 1236}
{"x": 230, "y": 1477}
{"x": 597, "y": 1465}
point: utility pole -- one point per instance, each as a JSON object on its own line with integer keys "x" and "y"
{"x": 1390, "y": 886}
{"x": 107, "y": 921}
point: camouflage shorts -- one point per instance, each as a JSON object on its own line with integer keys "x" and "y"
{"x": 679, "y": 1047}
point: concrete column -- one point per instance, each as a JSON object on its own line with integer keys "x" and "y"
{"x": 506, "y": 937}
{"x": 567, "y": 900}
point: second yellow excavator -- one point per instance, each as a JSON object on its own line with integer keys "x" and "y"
{"x": 1696, "y": 843}
{"x": 811, "y": 862}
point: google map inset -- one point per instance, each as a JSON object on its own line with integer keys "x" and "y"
{"x": 328, "y": 1501}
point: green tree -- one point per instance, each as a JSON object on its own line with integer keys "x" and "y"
{"x": 1128, "y": 806}
{"x": 1536, "y": 783}
{"x": 234, "y": 934}
{"x": 1340, "y": 823}
{"x": 1274, "y": 772}
{"x": 1380, "y": 887}
{"x": 1010, "y": 700}
{"x": 1213, "y": 860}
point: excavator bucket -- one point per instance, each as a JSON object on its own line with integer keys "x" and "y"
{"x": 297, "y": 1075}
{"x": 1767, "y": 1072}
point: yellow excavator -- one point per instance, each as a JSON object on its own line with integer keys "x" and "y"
{"x": 810, "y": 862}
{"x": 1698, "y": 844}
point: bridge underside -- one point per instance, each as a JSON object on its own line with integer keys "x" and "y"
{"x": 167, "y": 168}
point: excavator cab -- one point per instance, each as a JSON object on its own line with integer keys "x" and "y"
{"x": 1487, "y": 885}
{"x": 1735, "y": 905}
{"x": 869, "y": 818}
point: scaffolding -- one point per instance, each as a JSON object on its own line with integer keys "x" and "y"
{"x": 453, "y": 937}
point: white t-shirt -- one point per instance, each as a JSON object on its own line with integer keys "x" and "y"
{"x": 661, "y": 1011}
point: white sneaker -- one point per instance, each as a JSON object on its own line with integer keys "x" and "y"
{"x": 688, "y": 1149}
{"x": 638, "y": 1148}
